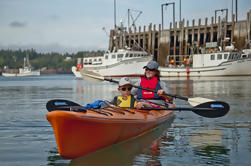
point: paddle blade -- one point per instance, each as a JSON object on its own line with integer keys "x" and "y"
{"x": 91, "y": 76}
{"x": 219, "y": 109}
{"x": 198, "y": 100}
{"x": 59, "y": 104}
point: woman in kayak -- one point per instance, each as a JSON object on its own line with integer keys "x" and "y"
{"x": 151, "y": 81}
{"x": 125, "y": 99}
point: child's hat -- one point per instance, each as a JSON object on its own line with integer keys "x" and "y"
{"x": 124, "y": 81}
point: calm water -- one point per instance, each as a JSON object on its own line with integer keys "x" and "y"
{"x": 26, "y": 137}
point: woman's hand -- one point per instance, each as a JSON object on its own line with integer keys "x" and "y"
{"x": 168, "y": 99}
{"x": 162, "y": 93}
{"x": 140, "y": 105}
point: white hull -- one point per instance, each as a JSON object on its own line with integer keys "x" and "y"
{"x": 240, "y": 67}
{"x": 32, "y": 73}
{"x": 75, "y": 72}
{"x": 130, "y": 68}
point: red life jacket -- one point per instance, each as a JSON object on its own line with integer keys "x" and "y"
{"x": 150, "y": 84}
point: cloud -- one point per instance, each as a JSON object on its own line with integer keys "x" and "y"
{"x": 16, "y": 24}
{"x": 54, "y": 17}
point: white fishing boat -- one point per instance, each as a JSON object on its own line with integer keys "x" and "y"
{"x": 124, "y": 62}
{"x": 21, "y": 72}
{"x": 218, "y": 63}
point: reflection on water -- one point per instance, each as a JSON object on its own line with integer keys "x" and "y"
{"x": 212, "y": 155}
{"x": 26, "y": 137}
{"x": 205, "y": 138}
{"x": 55, "y": 159}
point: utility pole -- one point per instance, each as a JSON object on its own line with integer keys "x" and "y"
{"x": 162, "y": 16}
{"x": 180, "y": 10}
{"x": 232, "y": 9}
{"x": 236, "y": 9}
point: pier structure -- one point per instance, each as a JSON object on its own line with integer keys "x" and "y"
{"x": 184, "y": 39}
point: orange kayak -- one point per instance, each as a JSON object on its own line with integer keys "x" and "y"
{"x": 81, "y": 133}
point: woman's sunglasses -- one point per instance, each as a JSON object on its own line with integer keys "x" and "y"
{"x": 147, "y": 69}
{"x": 124, "y": 89}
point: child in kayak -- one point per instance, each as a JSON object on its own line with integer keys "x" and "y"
{"x": 125, "y": 99}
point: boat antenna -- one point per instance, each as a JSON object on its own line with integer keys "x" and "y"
{"x": 115, "y": 14}
{"x": 105, "y": 31}
{"x": 130, "y": 16}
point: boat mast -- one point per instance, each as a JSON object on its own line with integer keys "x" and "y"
{"x": 115, "y": 14}
{"x": 26, "y": 61}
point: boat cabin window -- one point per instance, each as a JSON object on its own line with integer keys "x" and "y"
{"x": 131, "y": 55}
{"x": 135, "y": 55}
{"x": 225, "y": 56}
{"x": 113, "y": 56}
{"x": 99, "y": 59}
{"x": 138, "y": 55}
{"x": 236, "y": 56}
{"x": 219, "y": 56}
{"x": 95, "y": 60}
{"x": 244, "y": 56}
{"x": 127, "y": 55}
{"x": 106, "y": 57}
{"x": 212, "y": 57}
{"x": 120, "y": 56}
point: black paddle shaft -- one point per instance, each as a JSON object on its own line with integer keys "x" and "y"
{"x": 151, "y": 90}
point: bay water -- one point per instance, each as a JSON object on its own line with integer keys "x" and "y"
{"x": 26, "y": 137}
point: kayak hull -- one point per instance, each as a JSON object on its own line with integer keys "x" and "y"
{"x": 79, "y": 133}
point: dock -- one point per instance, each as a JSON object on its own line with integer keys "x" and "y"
{"x": 185, "y": 38}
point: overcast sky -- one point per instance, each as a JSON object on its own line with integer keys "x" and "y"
{"x": 77, "y": 25}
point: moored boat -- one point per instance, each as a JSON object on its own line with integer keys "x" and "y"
{"x": 210, "y": 63}
{"x": 124, "y": 62}
{"x": 26, "y": 70}
{"x": 81, "y": 133}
